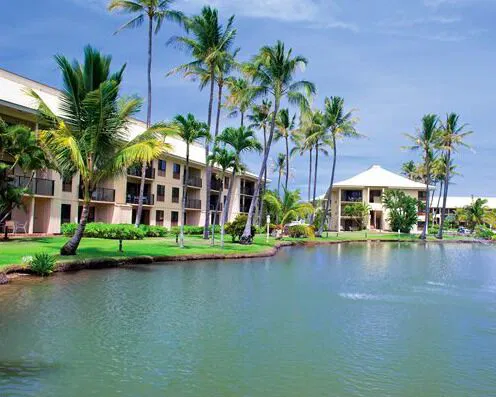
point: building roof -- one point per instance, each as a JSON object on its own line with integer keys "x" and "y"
{"x": 376, "y": 176}
{"x": 462, "y": 201}
{"x": 14, "y": 93}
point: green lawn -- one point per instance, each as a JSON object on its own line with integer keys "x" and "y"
{"x": 13, "y": 250}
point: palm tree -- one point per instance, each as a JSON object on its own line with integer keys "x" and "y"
{"x": 452, "y": 136}
{"x": 279, "y": 167}
{"x": 189, "y": 130}
{"x": 425, "y": 141}
{"x": 339, "y": 125}
{"x": 273, "y": 70}
{"x": 225, "y": 159}
{"x": 155, "y": 11}
{"x": 476, "y": 213}
{"x": 410, "y": 170}
{"x": 241, "y": 140}
{"x": 288, "y": 207}
{"x": 89, "y": 137}
{"x": 285, "y": 125}
{"x": 260, "y": 118}
{"x": 240, "y": 98}
{"x": 208, "y": 46}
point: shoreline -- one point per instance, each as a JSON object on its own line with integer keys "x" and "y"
{"x": 15, "y": 271}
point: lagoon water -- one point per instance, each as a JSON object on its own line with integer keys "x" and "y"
{"x": 350, "y": 320}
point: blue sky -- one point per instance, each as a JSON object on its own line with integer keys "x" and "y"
{"x": 392, "y": 60}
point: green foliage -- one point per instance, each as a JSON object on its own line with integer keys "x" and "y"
{"x": 154, "y": 231}
{"x": 402, "y": 208}
{"x": 288, "y": 208}
{"x": 42, "y": 264}
{"x": 358, "y": 212}
{"x": 107, "y": 231}
{"x": 484, "y": 233}
{"x": 236, "y": 227}
{"x": 190, "y": 230}
{"x": 299, "y": 231}
{"x": 475, "y": 213}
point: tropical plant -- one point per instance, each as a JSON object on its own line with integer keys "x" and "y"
{"x": 155, "y": 12}
{"x": 410, "y": 170}
{"x": 189, "y": 130}
{"x": 279, "y": 167}
{"x": 358, "y": 213}
{"x": 237, "y": 226}
{"x": 402, "y": 210}
{"x": 299, "y": 231}
{"x": 285, "y": 126}
{"x": 90, "y": 135}
{"x": 287, "y": 208}
{"x": 240, "y": 98}
{"x": 452, "y": 136}
{"x": 241, "y": 140}
{"x": 339, "y": 125}
{"x": 426, "y": 141}
{"x": 225, "y": 160}
{"x": 209, "y": 44}
{"x": 42, "y": 264}
{"x": 475, "y": 213}
{"x": 272, "y": 71}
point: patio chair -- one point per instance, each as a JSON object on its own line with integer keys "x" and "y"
{"x": 21, "y": 226}
{"x": 9, "y": 226}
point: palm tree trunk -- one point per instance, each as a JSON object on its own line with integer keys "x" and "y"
{"x": 70, "y": 248}
{"x": 287, "y": 164}
{"x": 183, "y": 205}
{"x": 208, "y": 176}
{"x": 315, "y": 174}
{"x": 425, "y": 230}
{"x": 279, "y": 184}
{"x": 217, "y": 210}
{"x": 222, "y": 213}
{"x": 310, "y": 176}
{"x": 228, "y": 198}
{"x": 242, "y": 119}
{"x": 246, "y": 238}
{"x": 445, "y": 195}
{"x": 219, "y": 105}
{"x": 139, "y": 211}
{"x": 329, "y": 190}
{"x": 264, "y": 187}
{"x": 439, "y": 197}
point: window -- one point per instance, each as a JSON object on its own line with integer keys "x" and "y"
{"x": 67, "y": 184}
{"x": 161, "y": 167}
{"x": 159, "y": 218}
{"x": 65, "y": 213}
{"x": 175, "y": 195}
{"x": 174, "y": 218}
{"x": 375, "y": 196}
{"x": 176, "y": 171}
{"x": 160, "y": 192}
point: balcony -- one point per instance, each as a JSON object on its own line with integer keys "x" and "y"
{"x": 248, "y": 190}
{"x": 216, "y": 184}
{"x": 351, "y": 196}
{"x": 42, "y": 187}
{"x": 100, "y": 194}
{"x": 213, "y": 206}
{"x": 194, "y": 204}
{"x": 136, "y": 171}
{"x": 194, "y": 181}
{"x": 148, "y": 199}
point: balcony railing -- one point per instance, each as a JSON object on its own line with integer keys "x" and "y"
{"x": 213, "y": 207}
{"x": 247, "y": 190}
{"x": 100, "y": 194}
{"x": 43, "y": 187}
{"x": 351, "y": 198}
{"x": 148, "y": 199}
{"x": 193, "y": 204}
{"x": 216, "y": 184}
{"x": 195, "y": 181}
{"x": 136, "y": 171}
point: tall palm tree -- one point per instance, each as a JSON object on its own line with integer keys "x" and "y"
{"x": 90, "y": 135}
{"x": 241, "y": 140}
{"x": 285, "y": 125}
{"x": 208, "y": 46}
{"x": 273, "y": 70}
{"x": 260, "y": 118}
{"x": 240, "y": 98}
{"x": 279, "y": 167}
{"x": 410, "y": 170}
{"x": 452, "y": 136}
{"x": 226, "y": 160}
{"x": 155, "y": 12}
{"x": 339, "y": 125}
{"x": 425, "y": 141}
{"x": 189, "y": 130}
{"x": 476, "y": 213}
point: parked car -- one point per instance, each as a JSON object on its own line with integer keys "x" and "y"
{"x": 464, "y": 230}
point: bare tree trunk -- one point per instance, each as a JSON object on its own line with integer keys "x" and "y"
{"x": 242, "y": 119}
{"x": 310, "y": 176}
{"x": 445, "y": 195}
{"x": 439, "y": 197}
{"x": 228, "y": 198}
{"x": 219, "y": 106}
{"x": 139, "y": 211}
{"x": 279, "y": 184}
{"x": 222, "y": 213}
{"x": 326, "y": 217}
{"x": 208, "y": 176}
{"x": 183, "y": 205}
{"x": 425, "y": 230}
{"x": 264, "y": 187}
{"x": 287, "y": 164}
{"x": 216, "y": 210}
{"x": 315, "y": 174}
{"x": 246, "y": 238}
{"x": 70, "y": 248}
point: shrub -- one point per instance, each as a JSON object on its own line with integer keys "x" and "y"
{"x": 403, "y": 210}
{"x": 484, "y": 233}
{"x": 190, "y": 230}
{"x": 236, "y": 227}
{"x": 154, "y": 231}
{"x": 107, "y": 231}
{"x": 42, "y": 264}
{"x": 299, "y": 231}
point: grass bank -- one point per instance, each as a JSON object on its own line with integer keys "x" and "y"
{"x": 12, "y": 251}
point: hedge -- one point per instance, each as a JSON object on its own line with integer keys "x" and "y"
{"x": 106, "y": 230}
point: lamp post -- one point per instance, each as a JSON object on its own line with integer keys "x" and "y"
{"x": 268, "y": 228}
